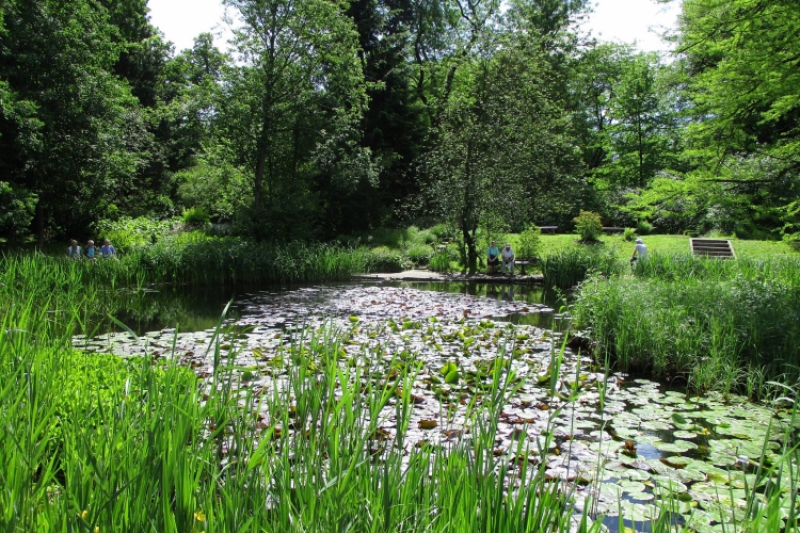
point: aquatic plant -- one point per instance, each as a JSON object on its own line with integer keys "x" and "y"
{"x": 144, "y": 444}
{"x": 569, "y": 267}
{"x": 711, "y": 333}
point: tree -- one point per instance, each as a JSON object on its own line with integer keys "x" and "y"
{"x": 741, "y": 59}
{"x": 503, "y": 141}
{"x": 291, "y": 108}
{"x": 393, "y": 127}
{"x": 66, "y": 130}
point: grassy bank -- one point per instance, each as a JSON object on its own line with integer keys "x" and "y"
{"x": 95, "y": 443}
{"x": 730, "y": 326}
{"x": 198, "y": 261}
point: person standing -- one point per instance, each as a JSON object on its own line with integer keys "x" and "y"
{"x": 73, "y": 250}
{"x": 90, "y": 250}
{"x": 107, "y": 250}
{"x": 508, "y": 258}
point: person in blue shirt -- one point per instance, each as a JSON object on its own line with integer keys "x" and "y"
{"x": 90, "y": 250}
{"x": 492, "y": 258}
{"x": 107, "y": 250}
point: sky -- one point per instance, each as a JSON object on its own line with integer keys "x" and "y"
{"x": 613, "y": 20}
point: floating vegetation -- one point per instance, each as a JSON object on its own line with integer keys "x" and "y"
{"x": 710, "y": 461}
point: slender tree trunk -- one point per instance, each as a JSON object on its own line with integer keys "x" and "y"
{"x": 261, "y": 163}
{"x": 40, "y": 226}
{"x": 469, "y": 224}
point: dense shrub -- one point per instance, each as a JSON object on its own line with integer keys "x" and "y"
{"x": 529, "y": 243}
{"x": 643, "y": 227}
{"x": 589, "y": 226}
{"x": 126, "y": 233}
{"x": 196, "y": 216}
{"x": 442, "y": 232}
{"x": 629, "y": 234}
{"x": 419, "y": 254}
{"x": 442, "y": 260}
{"x": 382, "y": 259}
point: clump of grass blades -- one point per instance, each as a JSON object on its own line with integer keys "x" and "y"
{"x": 567, "y": 268}
{"x": 786, "y": 269}
{"x": 712, "y": 333}
{"x": 162, "y": 451}
{"x": 217, "y": 260}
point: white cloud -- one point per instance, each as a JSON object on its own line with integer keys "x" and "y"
{"x": 183, "y": 20}
{"x": 629, "y": 21}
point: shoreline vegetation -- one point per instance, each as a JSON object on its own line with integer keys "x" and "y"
{"x": 731, "y": 326}
{"x": 127, "y": 445}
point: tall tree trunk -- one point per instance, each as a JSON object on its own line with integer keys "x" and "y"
{"x": 261, "y": 160}
{"x": 40, "y": 225}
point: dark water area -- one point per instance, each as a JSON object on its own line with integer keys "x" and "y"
{"x": 196, "y": 309}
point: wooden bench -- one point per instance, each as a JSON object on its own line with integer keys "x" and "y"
{"x": 551, "y": 229}
{"x": 613, "y": 229}
{"x": 522, "y": 264}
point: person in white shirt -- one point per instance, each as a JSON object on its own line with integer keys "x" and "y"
{"x": 508, "y": 258}
{"x": 74, "y": 251}
{"x": 640, "y": 252}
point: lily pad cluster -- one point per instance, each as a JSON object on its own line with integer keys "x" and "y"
{"x": 628, "y": 448}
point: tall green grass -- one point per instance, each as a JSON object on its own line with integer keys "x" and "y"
{"x": 198, "y": 261}
{"x": 731, "y": 326}
{"x": 92, "y": 443}
{"x": 214, "y": 260}
{"x": 569, "y": 267}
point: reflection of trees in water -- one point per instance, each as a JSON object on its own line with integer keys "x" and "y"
{"x": 189, "y": 309}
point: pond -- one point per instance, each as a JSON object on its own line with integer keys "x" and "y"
{"x": 623, "y": 446}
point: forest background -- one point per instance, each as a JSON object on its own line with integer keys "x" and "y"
{"x": 335, "y": 117}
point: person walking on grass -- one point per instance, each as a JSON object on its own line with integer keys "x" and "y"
{"x": 73, "y": 250}
{"x": 640, "y": 252}
{"x": 508, "y": 258}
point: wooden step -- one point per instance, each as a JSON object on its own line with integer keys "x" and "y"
{"x": 715, "y": 248}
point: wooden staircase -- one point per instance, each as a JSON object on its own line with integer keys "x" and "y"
{"x": 713, "y": 248}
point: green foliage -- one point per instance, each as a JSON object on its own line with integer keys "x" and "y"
{"x": 442, "y": 260}
{"x": 383, "y": 259}
{"x": 530, "y": 243}
{"x": 127, "y": 233}
{"x": 442, "y": 232}
{"x": 708, "y": 320}
{"x": 215, "y": 187}
{"x": 569, "y": 267}
{"x": 629, "y": 234}
{"x": 18, "y": 210}
{"x": 643, "y": 227}
{"x": 419, "y": 254}
{"x": 196, "y": 216}
{"x": 589, "y": 226}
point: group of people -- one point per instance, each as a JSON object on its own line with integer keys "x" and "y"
{"x": 106, "y": 251}
{"x": 495, "y": 255}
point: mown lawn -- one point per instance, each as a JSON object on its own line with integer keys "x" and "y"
{"x": 664, "y": 244}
